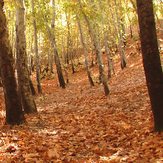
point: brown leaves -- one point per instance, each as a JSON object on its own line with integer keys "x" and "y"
{"x": 89, "y": 127}
{"x": 11, "y": 149}
{"x": 53, "y": 153}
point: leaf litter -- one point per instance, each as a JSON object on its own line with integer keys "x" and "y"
{"x": 80, "y": 124}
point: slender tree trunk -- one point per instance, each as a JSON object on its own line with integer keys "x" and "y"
{"x": 133, "y": 2}
{"x": 14, "y": 113}
{"x": 67, "y": 58}
{"x": 112, "y": 21}
{"x": 69, "y": 43}
{"x": 72, "y": 62}
{"x": 151, "y": 60}
{"x": 85, "y": 53}
{"x": 131, "y": 32}
{"x": 98, "y": 52}
{"x": 27, "y": 100}
{"x": 107, "y": 51}
{"x": 36, "y": 50}
{"x": 53, "y": 43}
{"x": 50, "y": 62}
{"x": 92, "y": 58}
{"x": 65, "y": 65}
{"x": 120, "y": 38}
{"x": 33, "y": 91}
{"x": 57, "y": 59}
{"x": 110, "y": 66}
{"x": 129, "y": 19}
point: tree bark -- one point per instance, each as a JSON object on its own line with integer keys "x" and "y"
{"x": 36, "y": 50}
{"x": 14, "y": 113}
{"x": 26, "y": 97}
{"x": 107, "y": 50}
{"x": 85, "y": 53}
{"x": 98, "y": 51}
{"x": 151, "y": 60}
{"x": 56, "y": 55}
{"x": 50, "y": 62}
{"x": 120, "y": 38}
{"x": 69, "y": 43}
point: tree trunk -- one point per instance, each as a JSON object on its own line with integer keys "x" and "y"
{"x": 32, "y": 87}
{"x": 120, "y": 38}
{"x": 151, "y": 60}
{"x": 69, "y": 43}
{"x": 50, "y": 62}
{"x": 53, "y": 44}
{"x": 26, "y": 97}
{"x": 14, "y": 113}
{"x": 98, "y": 52}
{"x": 107, "y": 51}
{"x": 65, "y": 66}
{"x": 85, "y": 53}
{"x": 110, "y": 66}
{"x": 36, "y": 50}
{"x": 56, "y": 55}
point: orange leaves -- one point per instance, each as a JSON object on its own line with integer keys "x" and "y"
{"x": 53, "y": 153}
{"x": 88, "y": 127}
{"x": 11, "y": 149}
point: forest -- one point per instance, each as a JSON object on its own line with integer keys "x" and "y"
{"x": 81, "y": 81}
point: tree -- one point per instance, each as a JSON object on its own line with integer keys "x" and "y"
{"x": 151, "y": 60}
{"x": 107, "y": 50}
{"x": 54, "y": 46}
{"x": 85, "y": 52}
{"x": 27, "y": 100}
{"x": 92, "y": 30}
{"x": 36, "y": 50}
{"x": 120, "y": 37}
{"x": 14, "y": 113}
{"x": 69, "y": 42}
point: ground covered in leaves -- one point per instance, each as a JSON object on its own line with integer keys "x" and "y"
{"x": 80, "y": 124}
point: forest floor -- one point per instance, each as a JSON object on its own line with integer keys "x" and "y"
{"x": 80, "y": 124}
